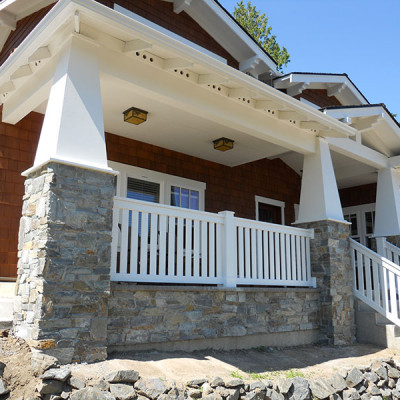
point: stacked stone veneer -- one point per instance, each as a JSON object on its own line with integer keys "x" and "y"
{"x": 331, "y": 265}
{"x": 64, "y": 262}
{"x": 201, "y": 317}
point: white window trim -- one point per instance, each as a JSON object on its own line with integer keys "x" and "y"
{"x": 272, "y": 202}
{"x": 166, "y": 181}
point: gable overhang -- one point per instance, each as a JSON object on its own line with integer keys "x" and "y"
{"x": 11, "y": 11}
{"x": 338, "y": 85}
{"x": 376, "y": 127}
{"x": 180, "y": 75}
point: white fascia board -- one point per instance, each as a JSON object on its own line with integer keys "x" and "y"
{"x": 104, "y": 16}
{"x": 354, "y": 112}
{"x": 286, "y": 81}
{"x": 228, "y": 33}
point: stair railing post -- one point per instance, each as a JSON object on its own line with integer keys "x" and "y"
{"x": 229, "y": 249}
{"x": 380, "y": 246}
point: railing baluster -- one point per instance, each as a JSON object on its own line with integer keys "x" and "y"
{"x": 253, "y": 254}
{"x": 240, "y": 244}
{"x": 204, "y": 249}
{"x": 196, "y": 248}
{"x": 162, "y": 246}
{"x": 283, "y": 256}
{"x": 266, "y": 255}
{"x": 134, "y": 242}
{"x": 171, "y": 246}
{"x": 271, "y": 256}
{"x": 259, "y": 255}
{"x": 211, "y": 249}
{"x": 123, "y": 266}
{"x": 179, "y": 248}
{"x": 144, "y": 240}
{"x": 153, "y": 243}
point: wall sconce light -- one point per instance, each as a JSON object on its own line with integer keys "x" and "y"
{"x": 135, "y": 116}
{"x": 223, "y": 144}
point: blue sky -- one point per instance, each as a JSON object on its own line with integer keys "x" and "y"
{"x": 359, "y": 37}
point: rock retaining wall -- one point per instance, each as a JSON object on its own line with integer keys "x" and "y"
{"x": 202, "y": 317}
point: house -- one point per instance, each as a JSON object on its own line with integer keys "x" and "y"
{"x": 137, "y": 231}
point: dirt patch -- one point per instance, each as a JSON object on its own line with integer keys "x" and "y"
{"x": 16, "y": 354}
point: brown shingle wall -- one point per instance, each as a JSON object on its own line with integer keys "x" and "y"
{"x": 319, "y": 97}
{"x": 17, "y": 150}
{"x": 358, "y": 195}
{"x": 227, "y": 188}
{"x": 161, "y": 13}
{"x": 24, "y": 27}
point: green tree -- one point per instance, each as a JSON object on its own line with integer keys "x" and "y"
{"x": 256, "y": 25}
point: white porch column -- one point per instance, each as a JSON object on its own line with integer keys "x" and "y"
{"x": 387, "y": 214}
{"x": 73, "y": 127}
{"x": 319, "y": 198}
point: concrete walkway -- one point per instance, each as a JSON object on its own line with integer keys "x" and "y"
{"x": 309, "y": 361}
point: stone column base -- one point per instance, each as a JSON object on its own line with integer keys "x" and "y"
{"x": 64, "y": 262}
{"x": 331, "y": 265}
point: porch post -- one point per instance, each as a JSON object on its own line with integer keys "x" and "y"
{"x": 387, "y": 214}
{"x": 229, "y": 266}
{"x": 65, "y": 230}
{"x": 320, "y": 209}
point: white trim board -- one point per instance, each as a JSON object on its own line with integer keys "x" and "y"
{"x": 165, "y": 181}
{"x": 272, "y": 202}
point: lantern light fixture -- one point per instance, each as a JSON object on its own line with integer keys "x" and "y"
{"x": 223, "y": 144}
{"x": 135, "y": 115}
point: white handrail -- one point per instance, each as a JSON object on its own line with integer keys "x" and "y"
{"x": 165, "y": 244}
{"x": 376, "y": 281}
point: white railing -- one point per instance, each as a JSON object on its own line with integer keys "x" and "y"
{"x": 376, "y": 281}
{"x": 157, "y": 243}
{"x": 388, "y": 250}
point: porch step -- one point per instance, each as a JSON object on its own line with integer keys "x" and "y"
{"x": 374, "y": 328}
{"x": 6, "y": 304}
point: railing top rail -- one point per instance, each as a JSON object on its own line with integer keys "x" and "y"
{"x": 145, "y": 206}
{"x": 392, "y": 247}
{"x": 247, "y": 223}
{"x": 391, "y": 266}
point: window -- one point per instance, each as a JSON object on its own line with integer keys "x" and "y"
{"x": 156, "y": 187}
{"x": 270, "y": 210}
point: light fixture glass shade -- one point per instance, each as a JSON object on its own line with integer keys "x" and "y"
{"x": 135, "y": 115}
{"x": 223, "y": 144}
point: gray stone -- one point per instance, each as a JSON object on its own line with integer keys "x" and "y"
{"x": 194, "y": 393}
{"x": 50, "y": 387}
{"x": 393, "y": 372}
{"x": 371, "y": 377}
{"x": 122, "y": 376}
{"x": 386, "y": 394}
{"x": 396, "y": 393}
{"x": 391, "y": 383}
{"x": 284, "y": 385}
{"x": 257, "y": 385}
{"x": 217, "y": 381}
{"x": 273, "y": 395}
{"x": 376, "y": 398}
{"x": 58, "y": 374}
{"x": 41, "y": 362}
{"x": 100, "y": 384}
{"x": 196, "y": 383}
{"x": 351, "y": 394}
{"x": 381, "y": 372}
{"x": 2, "y": 368}
{"x": 337, "y": 382}
{"x": 381, "y": 383}
{"x": 300, "y": 389}
{"x": 354, "y": 377}
{"x": 374, "y": 390}
{"x": 76, "y": 383}
{"x": 91, "y": 393}
{"x": 122, "y": 391}
{"x": 321, "y": 389}
{"x": 3, "y": 388}
{"x": 222, "y": 391}
{"x": 366, "y": 396}
{"x": 207, "y": 389}
{"x": 151, "y": 388}
{"x": 234, "y": 394}
{"x": 235, "y": 382}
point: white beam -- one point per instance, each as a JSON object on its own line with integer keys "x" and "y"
{"x": 73, "y": 127}
{"x": 358, "y": 152}
{"x": 173, "y": 63}
{"x": 298, "y": 88}
{"x": 240, "y": 92}
{"x": 394, "y": 161}
{"x": 319, "y": 198}
{"x": 387, "y": 212}
{"x": 311, "y": 125}
{"x": 353, "y": 171}
{"x": 336, "y": 89}
{"x": 181, "y": 5}
{"x": 170, "y": 89}
{"x": 267, "y": 105}
{"x": 290, "y": 115}
{"x": 249, "y": 64}
{"x": 7, "y": 87}
{"x": 211, "y": 79}
{"x": 22, "y": 72}
{"x": 30, "y": 95}
{"x": 136, "y": 45}
{"x": 8, "y": 19}
{"x": 40, "y": 54}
